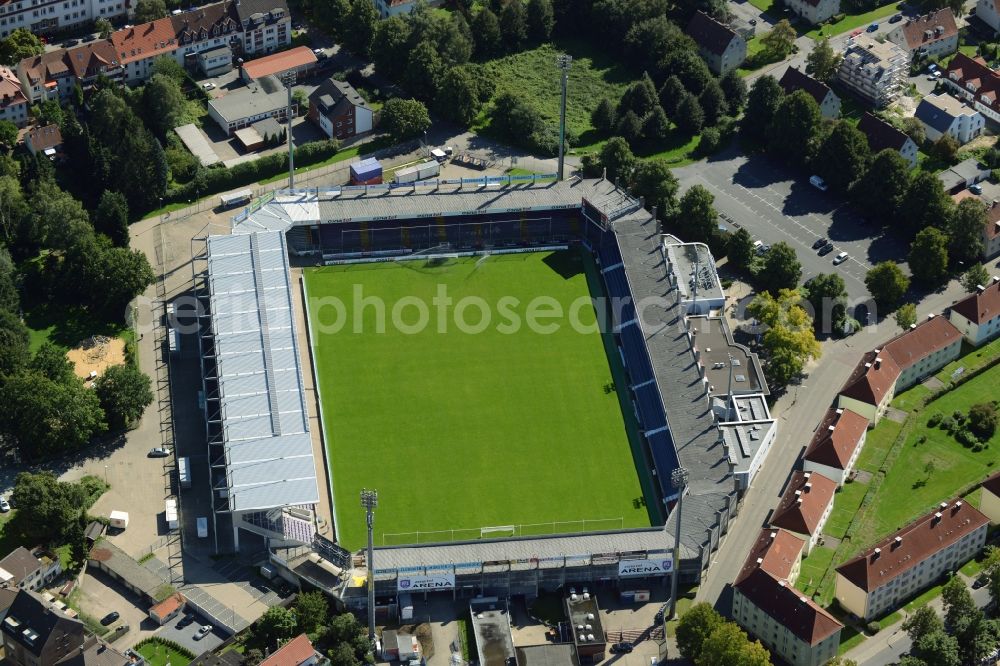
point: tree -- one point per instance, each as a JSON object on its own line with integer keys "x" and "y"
{"x": 312, "y": 611}
{"x": 164, "y": 103}
{"x": 514, "y": 118}
{"x": 983, "y": 420}
{"x": 52, "y": 362}
{"x": 540, "y": 20}
{"x": 603, "y": 116}
{"x": 618, "y": 159}
{"x": 975, "y": 277}
{"x": 881, "y": 189}
{"x": 147, "y": 11}
{"x": 694, "y": 627}
{"x": 923, "y": 621}
{"x": 728, "y": 645}
{"x": 124, "y": 392}
{"x": 343, "y": 655}
{"x": 735, "y": 90}
{"x": 43, "y": 418}
{"x": 781, "y": 270}
{"x": 978, "y": 638}
{"x": 843, "y": 156}
{"x": 789, "y": 340}
{"x": 347, "y": 631}
{"x": 690, "y": 116}
{"x": 780, "y": 41}
{"x": 913, "y": 128}
{"x": 670, "y": 95}
{"x": 47, "y": 509}
{"x": 424, "y": 71}
{"x": 514, "y": 25}
{"x": 103, "y": 26}
{"x": 629, "y": 126}
{"x": 794, "y": 127}
{"x": 991, "y": 569}
{"x": 965, "y": 230}
{"x": 822, "y": 62}
{"x": 405, "y": 118}
{"x": 696, "y": 215}
{"x": 763, "y": 101}
{"x": 928, "y": 257}
{"x": 945, "y": 148}
{"x": 713, "y": 103}
{"x": 654, "y": 181}
{"x": 827, "y": 294}
{"x": 656, "y": 127}
{"x": 740, "y": 248}
{"x": 925, "y": 204}
{"x": 361, "y": 20}
{"x": 906, "y": 315}
{"x": 117, "y": 275}
{"x": 275, "y": 625}
{"x": 639, "y": 97}
{"x": 486, "y": 28}
{"x": 8, "y": 133}
{"x": 958, "y": 603}
{"x": 19, "y": 45}
{"x": 937, "y": 648}
{"x": 458, "y": 97}
{"x": 887, "y": 283}
{"x": 14, "y": 343}
{"x": 391, "y": 46}
{"x": 649, "y": 41}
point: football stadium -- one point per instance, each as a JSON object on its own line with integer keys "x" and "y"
{"x": 519, "y": 368}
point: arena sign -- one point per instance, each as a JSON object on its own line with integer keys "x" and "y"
{"x": 430, "y": 583}
{"x": 650, "y": 567}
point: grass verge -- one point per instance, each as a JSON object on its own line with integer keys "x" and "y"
{"x": 854, "y": 21}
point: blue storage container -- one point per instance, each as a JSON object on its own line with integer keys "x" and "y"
{"x": 366, "y": 171}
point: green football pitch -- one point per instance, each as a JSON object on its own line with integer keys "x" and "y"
{"x": 459, "y": 429}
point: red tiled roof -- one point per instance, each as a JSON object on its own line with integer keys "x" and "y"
{"x": 44, "y": 67}
{"x": 992, "y": 221}
{"x": 43, "y": 138}
{"x": 992, "y": 484}
{"x": 279, "y": 62}
{"x": 806, "y": 498}
{"x": 709, "y": 33}
{"x": 980, "y": 307}
{"x": 143, "y": 41}
{"x": 915, "y": 31}
{"x": 918, "y": 541}
{"x": 205, "y": 22}
{"x": 924, "y": 339}
{"x": 963, "y": 70}
{"x": 775, "y": 551}
{"x": 292, "y": 653}
{"x": 789, "y": 607}
{"x": 168, "y": 605}
{"x": 873, "y": 377}
{"x": 10, "y": 88}
{"x": 836, "y": 438}
{"x": 92, "y": 59}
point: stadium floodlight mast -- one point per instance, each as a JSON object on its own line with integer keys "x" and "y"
{"x": 369, "y": 500}
{"x": 679, "y": 480}
{"x": 288, "y": 78}
{"x": 563, "y": 62}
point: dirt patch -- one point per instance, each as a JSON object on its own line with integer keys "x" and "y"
{"x": 95, "y": 355}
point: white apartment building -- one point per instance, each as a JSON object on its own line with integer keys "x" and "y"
{"x": 44, "y": 16}
{"x": 875, "y": 71}
{"x": 978, "y": 315}
{"x": 943, "y": 114}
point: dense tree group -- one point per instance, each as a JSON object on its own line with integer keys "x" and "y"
{"x": 707, "y": 639}
{"x": 966, "y": 636}
{"x": 342, "y": 638}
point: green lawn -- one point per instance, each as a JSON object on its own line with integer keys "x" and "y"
{"x": 924, "y": 598}
{"x": 67, "y": 326}
{"x": 160, "y": 654}
{"x": 854, "y": 21}
{"x": 850, "y": 638}
{"x": 845, "y": 505}
{"x": 813, "y": 569}
{"x": 442, "y": 423}
{"x": 762, "y": 5}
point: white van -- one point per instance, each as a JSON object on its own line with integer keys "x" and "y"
{"x": 202, "y": 524}
{"x": 818, "y": 183}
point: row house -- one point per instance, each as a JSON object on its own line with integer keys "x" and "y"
{"x": 13, "y": 103}
{"x": 52, "y": 75}
{"x": 973, "y": 80}
{"x": 988, "y": 11}
{"x": 989, "y": 500}
{"x": 207, "y": 28}
{"x": 45, "y": 16}
{"x": 829, "y": 104}
{"x": 977, "y": 316}
{"x": 267, "y": 25}
{"x": 721, "y": 47}
{"x": 805, "y": 506}
{"x": 29, "y": 569}
{"x": 836, "y": 444}
{"x": 814, "y": 11}
{"x": 883, "y": 136}
{"x": 991, "y": 231}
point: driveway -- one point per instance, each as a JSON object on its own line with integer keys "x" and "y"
{"x": 100, "y": 594}
{"x": 185, "y": 635}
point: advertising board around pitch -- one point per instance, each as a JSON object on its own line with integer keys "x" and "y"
{"x": 426, "y": 583}
{"x": 650, "y": 567}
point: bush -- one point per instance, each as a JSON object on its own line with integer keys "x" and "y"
{"x": 710, "y": 141}
{"x": 965, "y": 437}
{"x": 836, "y": 18}
{"x": 873, "y": 627}
{"x": 934, "y": 419}
{"x": 947, "y": 424}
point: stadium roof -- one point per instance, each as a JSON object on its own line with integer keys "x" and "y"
{"x": 268, "y": 448}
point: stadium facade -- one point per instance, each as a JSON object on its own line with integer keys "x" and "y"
{"x": 695, "y": 410}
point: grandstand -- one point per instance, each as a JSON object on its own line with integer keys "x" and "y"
{"x": 669, "y": 384}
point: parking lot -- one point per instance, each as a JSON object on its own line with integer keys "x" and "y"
{"x": 774, "y": 204}
{"x": 183, "y": 630}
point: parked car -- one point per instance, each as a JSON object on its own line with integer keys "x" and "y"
{"x": 857, "y": 32}
{"x": 4, "y": 505}
{"x": 159, "y": 452}
{"x": 70, "y": 42}
{"x": 208, "y": 86}
{"x": 753, "y": 21}
{"x": 931, "y": 67}
{"x": 979, "y": 582}
{"x": 820, "y": 242}
{"x": 109, "y": 618}
{"x": 976, "y": 188}
{"x": 826, "y": 249}
{"x": 896, "y": 18}
{"x": 840, "y": 258}
{"x": 621, "y": 648}
{"x": 205, "y": 630}
{"x": 818, "y": 183}
{"x": 872, "y": 28}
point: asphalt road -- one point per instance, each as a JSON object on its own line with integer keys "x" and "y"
{"x": 774, "y": 204}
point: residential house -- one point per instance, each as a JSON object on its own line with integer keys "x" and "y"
{"x": 988, "y": 11}
{"x": 977, "y": 315}
{"x": 883, "y": 136}
{"x": 914, "y": 558}
{"x": 766, "y": 604}
{"x": 909, "y": 357}
{"x": 874, "y": 71}
{"x": 36, "y": 634}
{"x": 298, "y": 62}
{"x": 973, "y": 80}
{"x": 45, "y": 76}
{"x": 60, "y": 16}
{"x": 720, "y": 47}
{"x": 267, "y": 25}
{"x": 88, "y": 61}
{"x": 814, "y": 11}
{"x": 13, "y": 103}
{"x": 243, "y": 107}
{"x": 297, "y": 652}
{"x": 989, "y": 500}
{"x": 942, "y": 114}
{"x": 387, "y": 8}
{"x": 805, "y": 506}
{"x": 167, "y": 609}
{"x": 7, "y": 597}
{"x": 931, "y": 35}
{"x": 137, "y": 47}
{"x": 215, "y": 61}
{"x": 337, "y": 108}
{"x": 829, "y": 103}
{"x": 836, "y": 444}
{"x": 214, "y": 28}
{"x": 45, "y": 140}
{"x": 991, "y": 232}
{"x": 29, "y": 569}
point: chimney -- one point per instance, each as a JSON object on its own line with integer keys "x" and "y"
{"x": 760, "y": 560}
{"x": 868, "y": 365}
{"x": 830, "y": 428}
{"x": 798, "y": 501}
{"x": 930, "y": 316}
{"x": 878, "y": 362}
{"x": 876, "y": 553}
{"x": 912, "y": 326}
{"x": 943, "y": 505}
{"x": 808, "y": 486}
{"x": 898, "y": 541}
{"x": 958, "y": 504}
{"x": 806, "y": 475}
{"x": 774, "y": 534}
{"x": 996, "y": 278}
{"x": 804, "y": 600}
